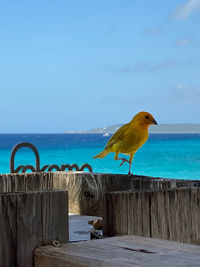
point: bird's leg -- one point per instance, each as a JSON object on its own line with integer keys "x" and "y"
{"x": 130, "y": 163}
{"x": 129, "y": 172}
{"x": 123, "y": 160}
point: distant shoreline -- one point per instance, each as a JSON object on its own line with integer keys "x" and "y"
{"x": 181, "y": 128}
{"x": 78, "y": 132}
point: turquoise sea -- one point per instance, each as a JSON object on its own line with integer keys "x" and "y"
{"x": 164, "y": 155}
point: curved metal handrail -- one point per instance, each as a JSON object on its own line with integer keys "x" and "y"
{"x": 37, "y": 162}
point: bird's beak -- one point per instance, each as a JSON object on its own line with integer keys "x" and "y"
{"x": 154, "y": 122}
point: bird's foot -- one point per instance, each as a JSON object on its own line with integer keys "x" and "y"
{"x": 123, "y": 160}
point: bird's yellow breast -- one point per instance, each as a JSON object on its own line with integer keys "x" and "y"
{"x": 132, "y": 140}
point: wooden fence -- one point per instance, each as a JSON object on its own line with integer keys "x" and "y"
{"x": 86, "y": 190}
{"x": 172, "y": 214}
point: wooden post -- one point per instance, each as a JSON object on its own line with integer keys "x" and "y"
{"x": 28, "y": 220}
{"x": 172, "y": 214}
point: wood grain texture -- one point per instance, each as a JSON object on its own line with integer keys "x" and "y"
{"x": 29, "y": 231}
{"x": 119, "y": 251}
{"x": 172, "y": 214}
{"x": 86, "y": 190}
{"x": 28, "y": 220}
{"x": 8, "y": 230}
{"x": 55, "y": 217}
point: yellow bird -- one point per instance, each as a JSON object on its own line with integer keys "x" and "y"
{"x": 129, "y": 138}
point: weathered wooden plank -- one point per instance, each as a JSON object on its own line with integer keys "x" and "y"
{"x": 195, "y": 217}
{"x": 117, "y": 201}
{"x": 55, "y": 217}
{"x": 16, "y": 183}
{"x": 175, "y": 215}
{"x": 8, "y": 230}
{"x": 110, "y": 215}
{"x": 106, "y": 222}
{"x": 119, "y": 251}
{"x": 29, "y": 226}
{"x": 28, "y": 220}
{"x": 124, "y": 219}
{"x": 160, "y": 216}
{"x": 136, "y": 214}
{"x": 3, "y": 183}
{"x": 38, "y": 181}
{"x": 172, "y": 214}
{"x": 86, "y": 190}
{"x": 130, "y": 214}
{"x": 145, "y": 220}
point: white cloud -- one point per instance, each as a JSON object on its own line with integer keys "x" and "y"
{"x": 166, "y": 64}
{"x": 184, "y": 10}
{"x": 186, "y": 94}
{"x": 141, "y": 66}
{"x": 146, "y": 66}
{"x": 183, "y": 42}
{"x": 111, "y": 30}
{"x": 152, "y": 31}
{"x": 137, "y": 67}
{"x": 180, "y": 85}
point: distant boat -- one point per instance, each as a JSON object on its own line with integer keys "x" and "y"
{"x": 106, "y": 134}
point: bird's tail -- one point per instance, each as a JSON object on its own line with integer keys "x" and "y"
{"x": 101, "y": 155}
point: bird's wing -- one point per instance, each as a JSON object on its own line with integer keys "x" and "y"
{"x": 118, "y": 135}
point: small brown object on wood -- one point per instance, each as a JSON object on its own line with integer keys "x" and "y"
{"x": 97, "y": 224}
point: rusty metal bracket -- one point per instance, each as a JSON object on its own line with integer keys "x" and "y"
{"x": 52, "y": 167}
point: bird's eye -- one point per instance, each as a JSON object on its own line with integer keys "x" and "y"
{"x": 147, "y": 117}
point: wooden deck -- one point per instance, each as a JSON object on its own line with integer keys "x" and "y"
{"x": 119, "y": 251}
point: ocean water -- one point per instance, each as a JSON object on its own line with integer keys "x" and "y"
{"x": 163, "y": 155}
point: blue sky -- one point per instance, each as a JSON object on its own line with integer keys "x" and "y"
{"x": 77, "y": 65}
